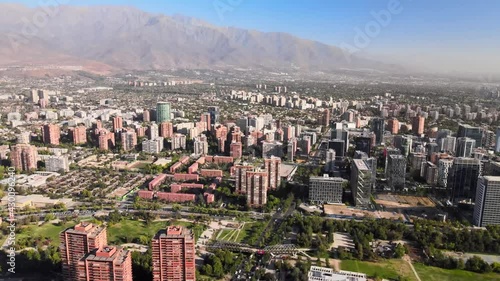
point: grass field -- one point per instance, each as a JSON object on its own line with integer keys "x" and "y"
{"x": 234, "y": 235}
{"x": 244, "y": 232}
{"x": 387, "y": 269}
{"x": 430, "y": 273}
{"x": 48, "y": 230}
{"x": 128, "y": 231}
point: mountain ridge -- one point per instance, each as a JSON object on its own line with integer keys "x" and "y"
{"x": 128, "y": 38}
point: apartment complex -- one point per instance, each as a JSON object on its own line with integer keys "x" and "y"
{"x": 256, "y": 188}
{"x": 51, "y": 134}
{"x": 107, "y": 263}
{"x": 273, "y": 168}
{"x": 24, "y": 157}
{"x": 174, "y": 255}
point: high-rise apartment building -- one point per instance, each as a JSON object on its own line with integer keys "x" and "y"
{"x": 205, "y": 117}
{"x": 76, "y": 243}
{"x": 236, "y": 150}
{"x": 153, "y": 131}
{"x": 166, "y": 130}
{"x": 325, "y": 190}
{"x": 154, "y": 146}
{"x": 273, "y": 168}
{"x": 487, "y": 207}
{"x": 178, "y": 142}
{"x": 24, "y": 157}
{"x": 51, "y": 134}
{"x": 78, "y": 135}
{"x": 418, "y": 125}
{"x": 240, "y": 177}
{"x": 106, "y": 140}
{"x": 256, "y": 188}
{"x": 117, "y": 123}
{"x": 108, "y": 263}
{"x": 146, "y": 115}
{"x": 393, "y": 125}
{"x": 163, "y": 112}
{"x": 325, "y": 118}
{"x": 201, "y": 145}
{"x": 129, "y": 140}
{"x": 174, "y": 255}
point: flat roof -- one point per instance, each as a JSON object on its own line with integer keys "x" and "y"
{"x": 361, "y": 164}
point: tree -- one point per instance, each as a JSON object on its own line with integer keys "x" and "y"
{"x": 207, "y": 269}
{"x": 218, "y": 270}
{"x": 477, "y": 264}
{"x": 399, "y": 251}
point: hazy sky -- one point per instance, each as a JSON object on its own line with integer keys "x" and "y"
{"x": 435, "y": 35}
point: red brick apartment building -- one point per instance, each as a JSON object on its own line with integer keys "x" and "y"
{"x": 174, "y": 255}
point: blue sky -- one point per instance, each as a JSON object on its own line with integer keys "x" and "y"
{"x": 422, "y": 26}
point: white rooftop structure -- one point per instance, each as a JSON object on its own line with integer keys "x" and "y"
{"x": 317, "y": 273}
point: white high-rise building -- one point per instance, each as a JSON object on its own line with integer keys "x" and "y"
{"x": 57, "y": 164}
{"x": 178, "y": 142}
{"x": 330, "y": 161}
{"x": 153, "y": 146}
{"x": 487, "y": 207}
{"x": 447, "y": 144}
{"x": 444, "y": 166}
{"x": 153, "y": 131}
{"x": 201, "y": 145}
{"x": 465, "y": 147}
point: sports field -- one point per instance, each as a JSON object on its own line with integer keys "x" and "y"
{"x": 386, "y": 269}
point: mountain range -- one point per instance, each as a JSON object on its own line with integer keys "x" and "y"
{"x": 126, "y": 38}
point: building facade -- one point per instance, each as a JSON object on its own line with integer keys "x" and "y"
{"x": 174, "y": 255}
{"x": 51, "y": 134}
{"x": 163, "y": 112}
{"x": 487, "y": 207}
{"x": 24, "y": 157}
{"x": 76, "y": 243}
{"x": 396, "y": 166}
{"x": 462, "y": 178}
{"x": 325, "y": 190}
{"x": 273, "y": 169}
{"x": 362, "y": 180}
